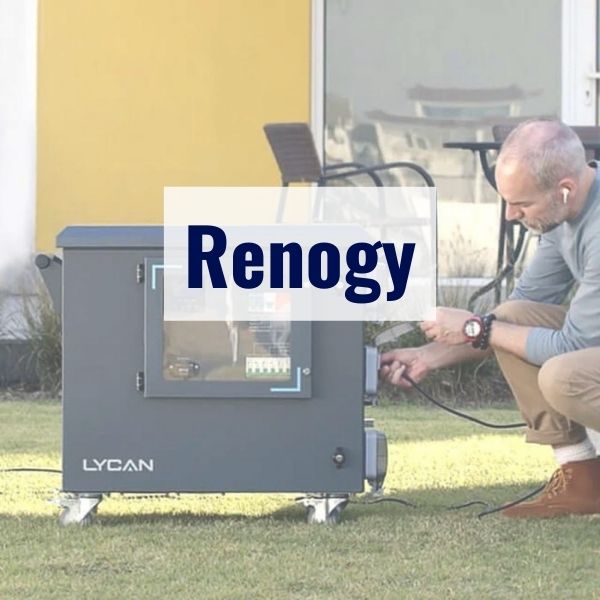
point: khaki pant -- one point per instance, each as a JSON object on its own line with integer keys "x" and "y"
{"x": 560, "y": 398}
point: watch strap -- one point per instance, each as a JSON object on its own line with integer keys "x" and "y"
{"x": 483, "y": 341}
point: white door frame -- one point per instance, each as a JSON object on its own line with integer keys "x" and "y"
{"x": 579, "y": 76}
{"x": 317, "y": 74}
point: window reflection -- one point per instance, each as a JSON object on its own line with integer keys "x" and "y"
{"x": 403, "y": 78}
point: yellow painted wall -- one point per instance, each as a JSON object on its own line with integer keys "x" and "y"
{"x": 134, "y": 95}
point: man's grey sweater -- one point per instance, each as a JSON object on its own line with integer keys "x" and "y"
{"x": 567, "y": 255}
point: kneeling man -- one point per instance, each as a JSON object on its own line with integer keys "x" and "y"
{"x": 548, "y": 352}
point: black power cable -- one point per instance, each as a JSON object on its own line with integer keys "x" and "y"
{"x": 388, "y": 499}
{"x": 488, "y": 511}
{"x": 29, "y": 470}
{"x": 457, "y": 413}
{"x": 467, "y": 504}
{"x": 496, "y": 509}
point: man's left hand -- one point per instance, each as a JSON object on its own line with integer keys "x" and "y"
{"x": 448, "y": 326}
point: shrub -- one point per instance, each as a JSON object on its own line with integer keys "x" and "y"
{"x": 43, "y": 325}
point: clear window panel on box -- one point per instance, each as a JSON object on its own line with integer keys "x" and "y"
{"x": 227, "y": 351}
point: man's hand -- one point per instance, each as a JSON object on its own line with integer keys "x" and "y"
{"x": 448, "y": 326}
{"x": 407, "y": 361}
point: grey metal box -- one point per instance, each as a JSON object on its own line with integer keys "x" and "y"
{"x": 127, "y": 428}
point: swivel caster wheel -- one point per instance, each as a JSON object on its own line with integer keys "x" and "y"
{"x": 333, "y": 518}
{"x": 78, "y": 509}
{"x": 324, "y": 509}
{"x": 65, "y": 519}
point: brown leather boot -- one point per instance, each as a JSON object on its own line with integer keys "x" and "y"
{"x": 574, "y": 489}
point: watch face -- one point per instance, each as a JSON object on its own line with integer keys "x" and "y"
{"x": 472, "y": 328}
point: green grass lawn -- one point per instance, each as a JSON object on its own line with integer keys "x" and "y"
{"x": 258, "y": 546}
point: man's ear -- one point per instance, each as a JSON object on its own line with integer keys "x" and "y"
{"x": 567, "y": 188}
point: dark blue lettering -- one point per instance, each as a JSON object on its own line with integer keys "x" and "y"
{"x": 355, "y": 265}
{"x": 294, "y": 251}
{"x": 247, "y": 255}
{"x": 197, "y": 256}
{"x": 398, "y": 270}
{"x": 332, "y": 258}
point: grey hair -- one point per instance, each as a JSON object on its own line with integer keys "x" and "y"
{"x": 550, "y": 149}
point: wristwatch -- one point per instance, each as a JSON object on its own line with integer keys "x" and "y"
{"x": 473, "y": 328}
{"x": 477, "y": 330}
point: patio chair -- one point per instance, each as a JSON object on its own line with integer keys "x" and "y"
{"x": 296, "y": 154}
{"x": 294, "y": 149}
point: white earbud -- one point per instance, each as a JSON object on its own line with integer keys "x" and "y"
{"x": 565, "y": 194}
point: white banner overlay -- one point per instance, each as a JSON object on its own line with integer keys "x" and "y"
{"x": 299, "y": 254}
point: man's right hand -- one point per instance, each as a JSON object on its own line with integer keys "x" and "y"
{"x": 403, "y": 361}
